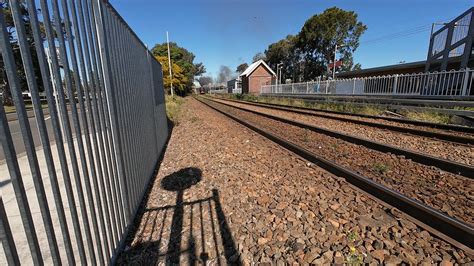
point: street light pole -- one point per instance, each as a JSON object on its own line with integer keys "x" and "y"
{"x": 169, "y": 64}
{"x": 278, "y": 77}
{"x": 334, "y": 62}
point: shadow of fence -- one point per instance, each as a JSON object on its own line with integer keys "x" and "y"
{"x": 188, "y": 232}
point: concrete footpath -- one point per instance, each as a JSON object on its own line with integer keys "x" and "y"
{"x": 13, "y": 213}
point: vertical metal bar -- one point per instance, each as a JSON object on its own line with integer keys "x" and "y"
{"x": 97, "y": 103}
{"x": 85, "y": 171}
{"x": 465, "y": 82}
{"x": 50, "y": 96}
{"x": 119, "y": 112}
{"x": 10, "y": 69}
{"x": 79, "y": 85}
{"x": 72, "y": 103}
{"x": 122, "y": 80}
{"x": 111, "y": 99}
{"x": 108, "y": 138}
{"x": 133, "y": 115}
{"x": 130, "y": 123}
{"x": 31, "y": 80}
{"x": 449, "y": 74}
{"x": 98, "y": 182}
{"x": 441, "y": 83}
{"x": 18, "y": 186}
{"x": 104, "y": 182}
{"x": 145, "y": 112}
{"x": 129, "y": 111}
{"x": 6, "y": 237}
{"x": 471, "y": 79}
{"x": 459, "y": 82}
{"x": 423, "y": 84}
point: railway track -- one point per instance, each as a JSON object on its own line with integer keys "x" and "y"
{"x": 455, "y": 229}
{"x": 460, "y": 153}
{"x": 423, "y": 158}
{"x": 392, "y": 123}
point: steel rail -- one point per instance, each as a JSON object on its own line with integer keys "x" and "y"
{"x": 449, "y": 226}
{"x": 446, "y": 165}
{"x": 405, "y": 100}
{"x": 310, "y": 111}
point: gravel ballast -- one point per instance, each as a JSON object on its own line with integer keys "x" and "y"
{"x": 224, "y": 194}
{"x": 449, "y": 193}
{"x": 443, "y": 149}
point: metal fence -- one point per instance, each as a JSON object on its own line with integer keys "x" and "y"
{"x": 234, "y": 91}
{"x": 447, "y": 83}
{"x": 73, "y": 193}
{"x": 214, "y": 91}
{"x": 237, "y": 90}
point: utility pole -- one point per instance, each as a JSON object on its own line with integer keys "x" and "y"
{"x": 169, "y": 63}
{"x": 334, "y": 63}
{"x": 278, "y": 77}
{"x": 280, "y": 74}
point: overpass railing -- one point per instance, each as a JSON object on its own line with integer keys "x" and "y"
{"x": 446, "y": 83}
{"x": 71, "y": 196}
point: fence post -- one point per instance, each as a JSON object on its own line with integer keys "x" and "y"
{"x": 395, "y": 84}
{"x": 307, "y": 87}
{"x": 353, "y": 86}
{"x": 465, "y": 82}
{"x": 292, "y": 88}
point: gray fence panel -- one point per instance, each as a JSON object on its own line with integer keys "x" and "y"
{"x": 100, "y": 143}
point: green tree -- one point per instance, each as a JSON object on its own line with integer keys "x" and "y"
{"x": 286, "y": 53}
{"x": 182, "y": 58}
{"x": 180, "y": 80}
{"x": 322, "y": 32}
{"x": 258, "y": 56}
{"x": 241, "y": 68}
{"x": 357, "y": 67}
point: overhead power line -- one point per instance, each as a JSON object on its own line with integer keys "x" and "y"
{"x": 397, "y": 35}
{"x": 400, "y": 34}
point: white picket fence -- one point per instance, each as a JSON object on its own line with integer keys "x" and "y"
{"x": 445, "y": 83}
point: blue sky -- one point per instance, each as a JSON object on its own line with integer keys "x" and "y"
{"x": 231, "y": 32}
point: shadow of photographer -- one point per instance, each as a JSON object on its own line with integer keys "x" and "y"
{"x": 205, "y": 221}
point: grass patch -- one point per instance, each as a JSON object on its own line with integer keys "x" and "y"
{"x": 354, "y": 257}
{"x": 367, "y": 109}
{"x": 428, "y": 116}
{"x": 463, "y": 108}
{"x": 329, "y": 106}
{"x": 173, "y": 104}
{"x": 381, "y": 168}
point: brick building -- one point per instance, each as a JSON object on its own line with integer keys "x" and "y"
{"x": 255, "y": 76}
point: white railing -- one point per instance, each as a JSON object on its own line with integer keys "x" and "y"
{"x": 212, "y": 91}
{"x": 237, "y": 91}
{"x": 445, "y": 83}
